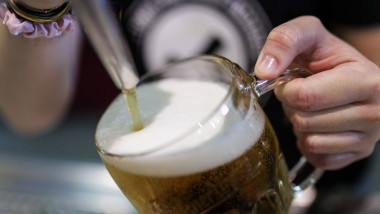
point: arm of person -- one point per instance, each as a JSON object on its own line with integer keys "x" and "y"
{"x": 336, "y": 111}
{"x": 37, "y": 77}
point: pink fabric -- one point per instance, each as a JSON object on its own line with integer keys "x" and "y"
{"x": 33, "y": 30}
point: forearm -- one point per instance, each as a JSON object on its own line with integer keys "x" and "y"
{"x": 37, "y": 79}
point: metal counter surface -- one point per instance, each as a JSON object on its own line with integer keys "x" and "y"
{"x": 59, "y": 172}
{"x": 39, "y": 185}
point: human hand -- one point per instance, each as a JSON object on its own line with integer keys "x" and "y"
{"x": 336, "y": 111}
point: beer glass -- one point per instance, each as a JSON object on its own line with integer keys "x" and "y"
{"x": 238, "y": 168}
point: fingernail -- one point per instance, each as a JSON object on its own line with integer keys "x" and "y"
{"x": 268, "y": 64}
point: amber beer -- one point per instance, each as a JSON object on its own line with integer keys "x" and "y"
{"x": 231, "y": 164}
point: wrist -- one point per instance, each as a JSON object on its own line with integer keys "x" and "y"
{"x": 33, "y": 25}
{"x": 29, "y": 13}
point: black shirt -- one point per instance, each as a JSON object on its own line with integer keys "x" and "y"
{"x": 347, "y": 12}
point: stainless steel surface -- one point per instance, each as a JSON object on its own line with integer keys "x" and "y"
{"x": 101, "y": 27}
{"x": 59, "y": 172}
{"x": 40, "y": 185}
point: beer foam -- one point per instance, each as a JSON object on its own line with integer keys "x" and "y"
{"x": 173, "y": 112}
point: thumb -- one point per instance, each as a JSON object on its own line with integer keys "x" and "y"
{"x": 303, "y": 35}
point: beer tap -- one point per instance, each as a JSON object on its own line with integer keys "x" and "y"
{"x": 104, "y": 33}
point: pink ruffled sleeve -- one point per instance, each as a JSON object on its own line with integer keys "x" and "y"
{"x": 33, "y": 30}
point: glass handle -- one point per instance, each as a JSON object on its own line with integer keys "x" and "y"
{"x": 263, "y": 86}
{"x": 303, "y": 174}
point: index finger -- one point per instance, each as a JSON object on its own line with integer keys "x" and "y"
{"x": 344, "y": 84}
{"x": 305, "y": 41}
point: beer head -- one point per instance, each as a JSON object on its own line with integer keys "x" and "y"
{"x": 189, "y": 126}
